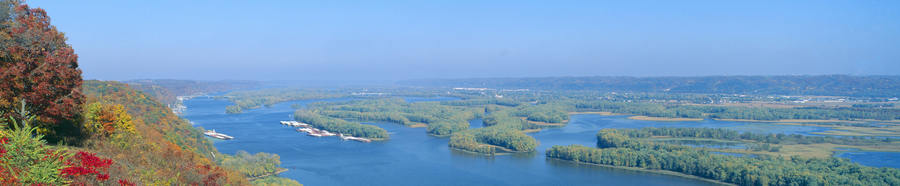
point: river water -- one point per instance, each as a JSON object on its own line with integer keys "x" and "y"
{"x": 411, "y": 157}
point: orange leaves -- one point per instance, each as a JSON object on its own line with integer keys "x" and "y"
{"x": 165, "y": 147}
{"x": 105, "y": 120}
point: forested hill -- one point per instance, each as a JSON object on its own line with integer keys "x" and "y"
{"x": 828, "y": 85}
{"x": 165, "y": 90}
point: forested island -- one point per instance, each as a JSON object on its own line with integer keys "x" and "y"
{"x": 617, "y": 148}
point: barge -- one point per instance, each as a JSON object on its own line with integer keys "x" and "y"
{"x": 294, "y": 123}
{"x": 348, "y": 137}
{"x": 214, "y": 134}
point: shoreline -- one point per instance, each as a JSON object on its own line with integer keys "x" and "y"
{"x": 441, "y": 136}
{"x": 501, "y": 151}
{"x": 473, "y": 152}
{"x": 540, "y": 123}
{"x": 280, "y": 170}
{"x": 664, "y": 172}
{"x": 791, "y": 120}
{"x": 598, "y": 113}
{"x": 648, "y": 118}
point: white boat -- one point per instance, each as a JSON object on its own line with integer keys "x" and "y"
{"x": 214, "y": 134}
{"x": 348, "y": 137}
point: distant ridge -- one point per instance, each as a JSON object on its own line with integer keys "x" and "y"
{"x": 165, "y": 90}
{"x": 823, "y": 85}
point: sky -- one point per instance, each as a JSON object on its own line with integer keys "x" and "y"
{"x": 383, "y": 41}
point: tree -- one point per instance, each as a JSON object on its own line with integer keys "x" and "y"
{"x": 107, "y": 120}
{"x": 37, "y": 67}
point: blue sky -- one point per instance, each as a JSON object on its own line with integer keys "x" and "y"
{"x": 395, "y": 40}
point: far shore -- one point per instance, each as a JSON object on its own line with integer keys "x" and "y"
{"x": 793, "y": 120}
{"x": 648, "y": 118}
{"x": 598, "y": 113}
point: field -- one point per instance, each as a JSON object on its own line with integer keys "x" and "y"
{"x": 810, "y": 150}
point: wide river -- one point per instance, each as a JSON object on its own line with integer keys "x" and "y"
{"x": 411, "y": 157}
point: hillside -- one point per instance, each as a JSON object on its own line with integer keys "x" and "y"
{"x": 166, "y": 90}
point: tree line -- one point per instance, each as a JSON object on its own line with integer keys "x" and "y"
{"x": 769, "y": 138}
{"x": 339, "y": 125}
{"x": 830, "y": 85}
{"x": 247, "y": 99}
{"x": 250, "y": 165}
{"x": 726, "y": 112}
{"x": 440, "y": 119}
{"x": 620, "y": 150}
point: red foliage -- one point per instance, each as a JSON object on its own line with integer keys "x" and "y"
{"x": 85, "y": 163}
{"x": 102, "y": 177}
{"x": 39, "y": 67}
{"x": 126, "y": 183}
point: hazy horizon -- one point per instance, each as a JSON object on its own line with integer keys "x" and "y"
{"x": 390, "y": 41}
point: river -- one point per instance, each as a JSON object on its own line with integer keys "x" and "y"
{"x": 411, "y": 157}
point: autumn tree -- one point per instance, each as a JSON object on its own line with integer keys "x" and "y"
{"x": 108, "y": 121}
{"x": 37, "y": 68}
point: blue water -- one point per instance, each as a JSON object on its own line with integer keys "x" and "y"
{"x": 869, "y": 158}
{"x": 476, "y": 123}
{"x": 411, "y": 157}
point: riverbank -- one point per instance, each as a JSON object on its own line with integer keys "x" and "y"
{"x": 280, "y": 170}
{"x": 598, "y": 113}
{"x": 822, "y": 150}
{"x": 648, "y": 118}
{"x": 500, "y": 150}
{"x": 844, "y": 130}
{"x": 664, "y": 172}
{"x": 563, "y": 123}
{"x": 794, "y": 120}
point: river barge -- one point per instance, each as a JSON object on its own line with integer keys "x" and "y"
{"x": 214, "y": 134}
{"x": 348, "y": 137}
{"x": 294, "y": 123}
